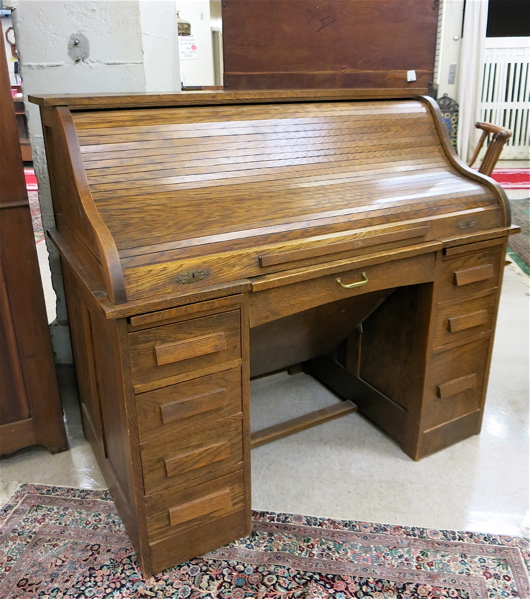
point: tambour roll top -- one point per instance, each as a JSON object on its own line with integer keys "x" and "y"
{"x": 209, "y": 189}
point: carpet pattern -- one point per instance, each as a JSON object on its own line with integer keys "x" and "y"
{"x": 512, "y": 178}
{"x": 520, "y": 243}
{"x": 60, "y": 543}
{"x": 34, "y": 206}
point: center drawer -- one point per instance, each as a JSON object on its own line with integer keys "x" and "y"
{"x": 284, "y": 300}
{"x": 159, "y": 353}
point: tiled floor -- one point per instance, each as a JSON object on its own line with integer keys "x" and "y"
{"x": 348, "y": 468}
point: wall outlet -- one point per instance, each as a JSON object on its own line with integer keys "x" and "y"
{"x": 411, "y": 76}
{"x": 452, "y": 74}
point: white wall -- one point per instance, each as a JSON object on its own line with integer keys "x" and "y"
{"x": 158, "y": 20}
{"x": 198, "y": 71}
{"x": 132, "y": 48}
{"x": 450, "y": 42}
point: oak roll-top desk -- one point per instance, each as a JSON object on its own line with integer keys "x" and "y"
{"x": 207, "y": 238}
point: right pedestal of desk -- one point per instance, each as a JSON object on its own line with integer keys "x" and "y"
{"x": 418, "y": 366}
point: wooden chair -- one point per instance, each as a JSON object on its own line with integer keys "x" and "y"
{"x": 500, "y": 136}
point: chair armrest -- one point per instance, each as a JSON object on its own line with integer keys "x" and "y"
{"x": 500, "y": 136}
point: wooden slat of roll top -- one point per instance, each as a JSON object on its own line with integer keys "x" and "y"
{"x": 85, "y": 121}
{"x": 295, "y": 176}
{"x": 227, "y": 127}
{"x": 264, "y": 119}
{"x": 210, "y": 219}
{"x": 168, "y": 149}
{"x": 157, "y": 228}
{"x": 230, "y": 156}
{"x": 231, "y": 129}
{"x": 219, "y": 174}
{"x": 247, "y": 189}
{"x": 310, "y": 161}
{"x": 161, "y": 116}
{"x": 260, "y": 140}
{"x": 159, "y": 159}
{"x": 198, "y": 170}
{"x": 310, "y": 199}
{"x": 231, "y": 135}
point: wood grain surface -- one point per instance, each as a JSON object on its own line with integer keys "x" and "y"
{"x": 301, "y": 44}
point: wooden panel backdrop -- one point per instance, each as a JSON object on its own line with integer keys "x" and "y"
{"x": 299, "y": 44}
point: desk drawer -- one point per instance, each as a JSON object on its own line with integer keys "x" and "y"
{"x": 278, "y": 302}
{"x": 179, "y": 410}
{"x": 209, "y": 452}
{"x": 458, "y": 322}
{"x": 470, "y": 274}
{"x": 456, "y": 383}
{"x": 172, "y": 511}
{"x": 174, "y": 349}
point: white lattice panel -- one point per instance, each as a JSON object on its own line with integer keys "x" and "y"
{"x": 505, "y": 98}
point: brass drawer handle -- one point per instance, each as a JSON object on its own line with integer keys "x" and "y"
{"x": 352, "y": 285}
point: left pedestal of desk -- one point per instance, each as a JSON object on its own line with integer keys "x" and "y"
{"x": 165, "y": 404}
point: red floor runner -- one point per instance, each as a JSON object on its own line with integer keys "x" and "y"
{"x": 512, "y": 178}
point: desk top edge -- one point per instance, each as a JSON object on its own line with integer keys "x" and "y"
{"x": 158, "y": 100}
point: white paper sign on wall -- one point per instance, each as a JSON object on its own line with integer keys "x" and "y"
{"x": 188, "y": 47}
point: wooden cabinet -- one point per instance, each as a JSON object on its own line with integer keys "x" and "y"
{"x": 302, "y": 44}
{"x": 22, "y": 126}
{"x": 30, "y": 406}
{"x": 206, "y": 238}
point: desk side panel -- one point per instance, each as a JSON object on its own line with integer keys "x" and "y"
{"x": 107, "y": 404}
{"x": 76, "y": 217}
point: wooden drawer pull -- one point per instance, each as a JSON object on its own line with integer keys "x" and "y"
{"x": 474, "y": 275}
{"x": 177, "y": 351}
{"x": 352, "y": 285}
{"x": 342, "y": 246}
{"x": 467, "y": 321}
{"x": 457, "y": 386}
{"x": 196, "y": 404}
{"x": 221, "y": 501}
{"x": 185, "y": 462}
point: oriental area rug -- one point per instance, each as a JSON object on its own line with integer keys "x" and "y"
{"x": 59, "y": 543}
{"x": 516, "y": 184}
